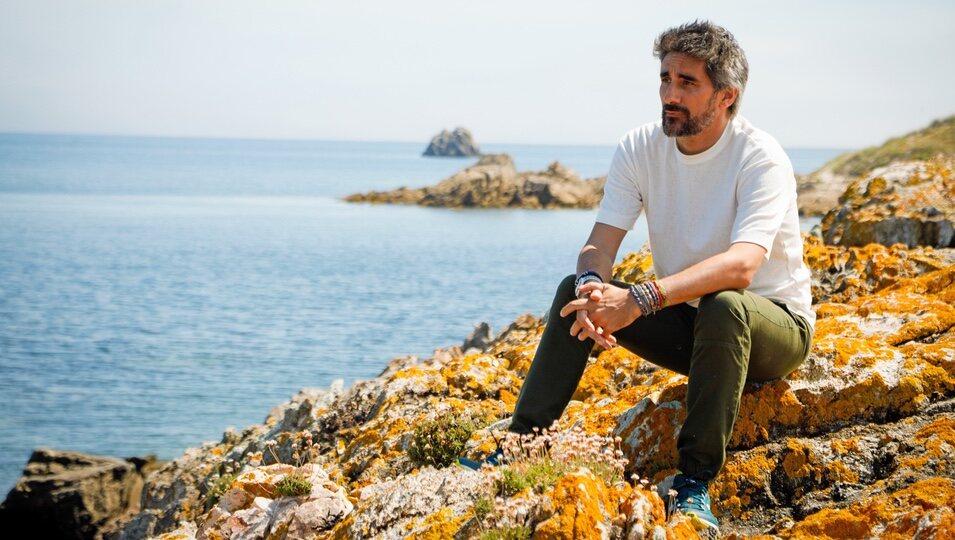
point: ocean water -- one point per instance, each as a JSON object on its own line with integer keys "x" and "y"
{"x": 154, "y": 291}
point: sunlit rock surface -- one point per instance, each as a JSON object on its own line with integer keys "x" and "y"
{"x": 493, "y": 182}
{"x": 911, "y": 203}
{"x": 856, "y": 443}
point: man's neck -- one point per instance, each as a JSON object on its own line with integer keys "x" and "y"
{"x": 704, "y": 140}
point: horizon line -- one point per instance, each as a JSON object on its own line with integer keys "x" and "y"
{"x": 304, "y": 139}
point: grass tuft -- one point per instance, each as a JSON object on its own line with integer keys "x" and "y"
{"x": 441, "y": 441}
{"x": 293, "y": 485}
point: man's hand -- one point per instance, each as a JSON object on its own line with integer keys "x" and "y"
{"x": 602, "y": 309}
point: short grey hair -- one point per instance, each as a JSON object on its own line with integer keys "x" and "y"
{"x": 725, "y": 60}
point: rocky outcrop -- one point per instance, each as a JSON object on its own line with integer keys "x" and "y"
{"x": 457, "y": 143}
{"x": 819, "y": 191}
{"x": 911, "y": 203}
{"x": 494, "y": 183}
{"x": 858, "y": 442}
{"x": 71, "y": 495}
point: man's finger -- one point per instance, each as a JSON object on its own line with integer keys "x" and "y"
{"x": 583, "y": 318}
{"x": 573, "y": 305}
{"x": 589, "y": 287}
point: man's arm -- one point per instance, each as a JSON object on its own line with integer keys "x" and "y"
{"x": 597, "y": 255}
{"x": 600, "y": 251}
{"x": 609, "y": 308}
{"x": 732, "y": 269}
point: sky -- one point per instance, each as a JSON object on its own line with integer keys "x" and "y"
{"x": 823, "y": 74}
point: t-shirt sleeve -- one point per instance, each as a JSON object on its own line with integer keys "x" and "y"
{"x": 764, "y": 195}
{"x": 622, "y": 202}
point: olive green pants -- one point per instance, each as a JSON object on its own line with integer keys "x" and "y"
{"x": 733, "y": 337}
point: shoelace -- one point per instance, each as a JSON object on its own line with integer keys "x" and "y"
{"x": 692, "y": 496}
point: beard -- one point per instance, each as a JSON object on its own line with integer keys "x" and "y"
{"x": 693, "y": 125}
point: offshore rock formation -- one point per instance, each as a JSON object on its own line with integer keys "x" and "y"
{"x": 72, "y": 495}
{"x": 910, "y": 203}
{"x": 494, "y": 183}
{"x": 858, "y": 442}
{"x": 459, "y": 143}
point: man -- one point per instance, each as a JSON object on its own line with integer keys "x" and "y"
{"x": 731, "y": 302}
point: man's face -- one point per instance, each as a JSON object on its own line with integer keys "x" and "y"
{"x": 689, "y": 101}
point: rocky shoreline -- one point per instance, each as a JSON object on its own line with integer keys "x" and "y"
{"x": 820, "y": 190}
{"x": 857, "y": 443}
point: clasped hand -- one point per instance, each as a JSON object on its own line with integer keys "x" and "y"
{"x": 602, "y": 309}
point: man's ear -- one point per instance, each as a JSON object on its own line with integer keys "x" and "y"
{"x": 728, "y": 97}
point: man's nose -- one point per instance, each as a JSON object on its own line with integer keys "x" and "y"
{"x": 670, "y": 94}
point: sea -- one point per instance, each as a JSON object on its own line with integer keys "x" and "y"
{"x": 155, "y": 291}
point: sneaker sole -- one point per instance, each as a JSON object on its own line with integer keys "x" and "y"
{"x": 705, "y": 528}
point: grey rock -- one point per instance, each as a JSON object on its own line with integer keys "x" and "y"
{"x": 387, "y": 509}
{"x": 457, "y": 143}
{"x": 479, "y": 339}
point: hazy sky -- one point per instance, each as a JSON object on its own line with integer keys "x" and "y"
{"x": 822, "y": 73}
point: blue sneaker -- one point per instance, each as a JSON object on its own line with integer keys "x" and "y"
{"x": 693, "y": 500}
{"x": 494, "y": 459}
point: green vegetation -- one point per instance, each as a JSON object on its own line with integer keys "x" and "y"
{"x": 926, "y": 143}
{"x": 483, "y": 506}
{"x": 538, "y": 475}
{"x": 440, "y": 442}
{"x": 294, "y": 485}
{"x": 507, "y": 533}
{"x": 218, "y": 489}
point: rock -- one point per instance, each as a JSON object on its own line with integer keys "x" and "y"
{"x": 182, "y": 490}
{"x": 479, "y": 339}
{"x": 911, "y": 203}
{"x": 858, "y": 441}
{"x": 459, "y": 143}
{"x": 394, "y": 509}
{"x": 494, "y": 183}
{"x": 582, "y": 509}
{"x": 819, "y": 191}
{"x": 72, "y": 495}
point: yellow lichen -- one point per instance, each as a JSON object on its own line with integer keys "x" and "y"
{"x": 582, "y": 507}
{"x": 438, "y": 526}
{"x": 897, "y": 515}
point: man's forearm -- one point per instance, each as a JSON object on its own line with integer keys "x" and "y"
{"x": 592, "y": 259}
{"x": 732, "y": 269}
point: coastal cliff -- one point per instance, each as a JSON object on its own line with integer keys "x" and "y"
{"x": 493, "y": 182}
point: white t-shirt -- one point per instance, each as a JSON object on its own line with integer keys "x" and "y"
{"x": 742, "y": 189}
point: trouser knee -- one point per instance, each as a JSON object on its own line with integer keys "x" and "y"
{"x": 564, "y": 294}
{"x": 721, "y": 311}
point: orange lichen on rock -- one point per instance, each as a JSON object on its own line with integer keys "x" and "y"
{"x": 904, "y": 202}
{"x": 922, "y": 510}
{"x": 761, "y": 407}
{"x": 582, "y": 507}
{"x": 741, "y": 480}
{"x": 438, "y": 526}
{"x": 938, "y": 438}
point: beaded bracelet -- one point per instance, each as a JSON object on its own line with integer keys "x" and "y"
{"x": 649, "y": 296}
